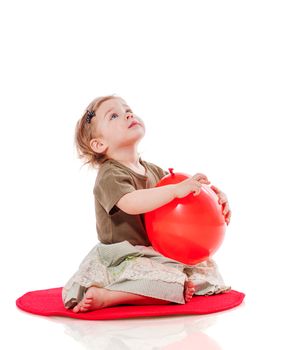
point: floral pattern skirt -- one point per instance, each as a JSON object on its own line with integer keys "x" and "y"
{"x": 140, "y": 270}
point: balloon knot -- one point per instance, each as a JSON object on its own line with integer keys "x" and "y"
{"x": 171, "y": 170}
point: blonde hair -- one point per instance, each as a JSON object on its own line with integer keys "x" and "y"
{"x": 84, "y": 133}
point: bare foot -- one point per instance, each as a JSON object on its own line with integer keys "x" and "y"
{"x": 97, "y": 298}
{"x": 188, "y": 290}
{"x": 93, "y": 300}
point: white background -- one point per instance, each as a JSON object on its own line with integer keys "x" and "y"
{"x": 216, "y": 84}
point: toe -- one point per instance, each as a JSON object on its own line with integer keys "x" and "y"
{"x": 84, "y": 309}
{"x": 76, "y": 309}
{"x": 189, "y": 284}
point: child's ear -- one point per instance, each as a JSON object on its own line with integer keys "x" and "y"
{"x": 98, "y": 145}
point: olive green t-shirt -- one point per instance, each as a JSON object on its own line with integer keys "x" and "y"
{"x": 113, "y": 181}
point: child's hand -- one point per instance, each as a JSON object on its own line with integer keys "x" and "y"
{"x": 223, "y": 200}
{"x": 192, "y": 184}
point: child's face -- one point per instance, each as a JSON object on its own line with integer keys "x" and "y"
{"x": 117, "y": 126}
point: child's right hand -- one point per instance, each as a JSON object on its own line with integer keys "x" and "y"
{"x": 192, "y": 184}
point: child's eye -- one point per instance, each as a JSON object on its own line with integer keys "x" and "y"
{"x": 114, "y": 115}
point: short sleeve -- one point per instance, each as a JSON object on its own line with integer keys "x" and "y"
{"x": 113, "y": 184}
{"x": 160, "y": 173}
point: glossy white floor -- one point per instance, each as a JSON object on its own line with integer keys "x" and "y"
{"x": 216, "y": 84}
{"x": 258, "y": 324}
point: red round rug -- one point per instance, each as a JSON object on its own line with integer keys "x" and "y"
{"x": 48, "y": 302}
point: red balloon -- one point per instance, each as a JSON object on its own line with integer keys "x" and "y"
{"x": 188, "y": 229}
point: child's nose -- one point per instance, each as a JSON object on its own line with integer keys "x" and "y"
{"x": 129, "y": 115}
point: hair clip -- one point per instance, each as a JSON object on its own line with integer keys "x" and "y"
{"x": 90, "y": 115}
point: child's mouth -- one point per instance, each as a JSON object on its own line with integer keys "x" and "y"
{"x": 133, "y": 124}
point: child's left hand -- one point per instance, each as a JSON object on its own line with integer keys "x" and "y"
{"x": 223, "y": 200}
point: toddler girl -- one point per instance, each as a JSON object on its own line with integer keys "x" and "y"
{"x": 123, "y": 268}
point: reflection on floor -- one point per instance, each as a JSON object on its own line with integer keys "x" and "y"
{"x": 168, "y": 333}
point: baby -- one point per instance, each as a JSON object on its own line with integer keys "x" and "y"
{"x": 123, "y": 268}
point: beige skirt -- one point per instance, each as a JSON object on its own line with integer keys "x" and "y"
{"x": 140, "y": 270}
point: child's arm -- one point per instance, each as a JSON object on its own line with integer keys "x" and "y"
{"x": 142, "y": 201}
